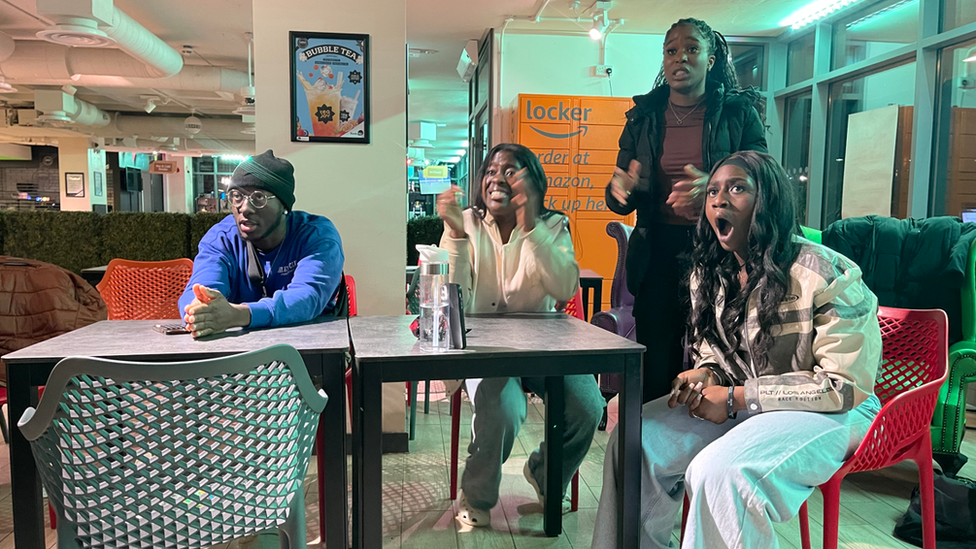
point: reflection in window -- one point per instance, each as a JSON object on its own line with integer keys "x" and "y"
{"x": 800, "y": 62}
{"x": 956, "y": 13}
{"x": 796, "y": 149}
{"x": 882, "y": 27}
{"x": 749, "y": 62}
{"x": 955, "y": 164}
{"x": 861, "y": 95}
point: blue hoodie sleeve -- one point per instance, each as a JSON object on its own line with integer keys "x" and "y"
{"x": 211, "y": 268}
{"x": 312, "y": 286}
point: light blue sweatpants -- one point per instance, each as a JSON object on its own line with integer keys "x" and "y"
{"x": 741, "y": 476}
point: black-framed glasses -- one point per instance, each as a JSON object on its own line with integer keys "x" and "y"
{"x": 258, "y": 199}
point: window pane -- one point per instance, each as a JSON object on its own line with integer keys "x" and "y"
{"x": 800, "y": 65}
{"x": 796, "y": 149}
{"x": 956, "y": 13}
{"x": 955, "y": 164}
{"x": 749, "y": 62}
{"x": 870, "y": 93}
{"x": 883, "y": 27}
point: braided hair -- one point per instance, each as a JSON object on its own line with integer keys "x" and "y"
{"x": 723, "y": 71}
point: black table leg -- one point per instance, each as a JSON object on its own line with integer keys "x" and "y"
{"x": 332, "y": 481}
{"x": 552, "y": 518}
{"x": 25, "y": 482}
{"x": 370, "y": 470}
{"x": 629, "y": 481}
{"x": 598, "y": 297}
{"x": 586, "y": 301}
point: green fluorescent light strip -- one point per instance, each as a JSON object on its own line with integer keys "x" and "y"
{"x": 883, "y": 11}
{"x": 814, "y": 11}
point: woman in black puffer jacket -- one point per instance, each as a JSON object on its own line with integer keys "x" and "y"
{"x": 695, "y": 116}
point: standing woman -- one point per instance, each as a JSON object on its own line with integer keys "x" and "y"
{"x": 695, "y": 116}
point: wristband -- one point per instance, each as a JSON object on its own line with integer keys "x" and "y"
{"x": 730, "y": 402}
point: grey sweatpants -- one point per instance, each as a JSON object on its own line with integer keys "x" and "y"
{"x": 499, "y": 410}
{"x": 741, "y": 476}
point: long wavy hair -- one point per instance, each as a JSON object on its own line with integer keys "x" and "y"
{"x": 723, "y": 71}
{"x": 526, "y": 159}
{"x": 772, "y": 251}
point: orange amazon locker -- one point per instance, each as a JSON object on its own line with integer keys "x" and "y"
{"x": 575, "y": 138}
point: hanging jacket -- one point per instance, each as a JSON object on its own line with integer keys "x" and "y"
{"x": 909, "y": 263}
{"x": 731, "y": 124}
{"x": 39, "y": 301}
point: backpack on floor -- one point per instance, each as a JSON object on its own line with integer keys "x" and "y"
{"x": 955, "y": 514}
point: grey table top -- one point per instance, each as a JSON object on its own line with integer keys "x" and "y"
{"x": 382, "y": 338}
{"x": 587, "y": 273}
{"x": 136, "y": 338}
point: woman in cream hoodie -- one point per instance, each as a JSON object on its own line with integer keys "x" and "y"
{"x": 511, "y": 254}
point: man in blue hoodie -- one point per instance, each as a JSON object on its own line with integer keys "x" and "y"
{"x": 266, "y": 265}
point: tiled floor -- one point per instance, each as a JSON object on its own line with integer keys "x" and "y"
{"x": 419, "y": 515}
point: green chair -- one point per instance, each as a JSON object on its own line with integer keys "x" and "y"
{"x": 813, "y": 235}
{"x": 949, "y": 423}
{"x": 176, "y": 455}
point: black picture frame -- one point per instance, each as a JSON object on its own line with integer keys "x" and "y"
{"x": 74, "y": 184}
{"x": 337, "y": 65}
{"x": 98, "y": 189}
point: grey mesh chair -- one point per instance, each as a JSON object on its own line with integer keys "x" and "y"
{"x": 176, "y": 455}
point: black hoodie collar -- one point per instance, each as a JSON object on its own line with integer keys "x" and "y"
{"x": 656, "y": 99}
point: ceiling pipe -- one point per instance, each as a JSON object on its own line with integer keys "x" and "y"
{"x": 51, "y": 64}
{"x": 99, "y": 23}
{"x": 170, "y": 126}
{"x": 59, "y": 107}
{"x": 542, "y": 8}
{"x": 6, "y": 46}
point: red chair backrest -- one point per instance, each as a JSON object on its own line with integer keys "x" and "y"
{"x": 914, "y": 365}
{"x": 144, "y": 290}
{"x": 574, "y": 307}
{"x": 915, "y": 350}
{"x": 351, "y": 292}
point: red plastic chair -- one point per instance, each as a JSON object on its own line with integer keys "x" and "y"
{"x": 913, "y": 369}
{"x": 573, "y": 307}
{"x": 144, "y": 290}
{"x": 915, "y": 364}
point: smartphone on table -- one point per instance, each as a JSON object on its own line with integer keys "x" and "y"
{"x": 171, "y": 329}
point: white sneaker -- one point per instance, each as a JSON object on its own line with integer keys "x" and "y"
{"x": 527, "y": 473}
{"x": 471, "y": 516}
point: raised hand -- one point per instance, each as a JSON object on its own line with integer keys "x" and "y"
{"x": 687, "y": 195}
{"x": 623, "y": 182}
{"x": 526, "y": 202}
{"x": 450, "y": 211}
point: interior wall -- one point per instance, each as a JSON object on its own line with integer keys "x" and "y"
{"x": 73, "y": 158}
{"x": 361, "y": 188}
{"x": 563, "y": 64}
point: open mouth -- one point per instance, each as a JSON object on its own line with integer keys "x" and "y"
{"x": 499, "y": 194}
{"x": 680, "y": 73}
{"x": 247, "y": 225}
{"x": 723, "y": 226}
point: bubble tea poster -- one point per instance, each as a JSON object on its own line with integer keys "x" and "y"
{"x": 329, "y": 87}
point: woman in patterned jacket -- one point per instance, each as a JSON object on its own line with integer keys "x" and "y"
{"x": 788, "y": 345}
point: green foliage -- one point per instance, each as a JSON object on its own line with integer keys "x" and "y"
{"x": 135, "y": 236}
{"x": 72, "y": 240}
{"x": 422, "y": 230}
{"x": 200, "y": 223}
